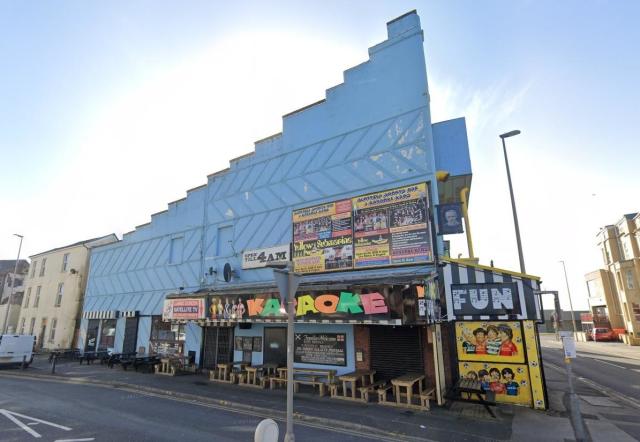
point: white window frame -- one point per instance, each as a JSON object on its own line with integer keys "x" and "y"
{"x": 36, "y": 301}
{"x": 32, "y": 325}
{"x": 27, "y": 299}
{"x": 59, "y": 294}
{"x": 52, "y": 329}
{"x": 43, "y": 266}
{"x": 65, "y": 262}
{"x": 34, "y": 266}
{"x": 22, "y": 321}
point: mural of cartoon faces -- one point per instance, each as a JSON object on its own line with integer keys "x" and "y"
{"x": 509, "y": 383}
{"x": 490, "y": 341}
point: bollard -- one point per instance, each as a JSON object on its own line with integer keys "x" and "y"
{"x": 53, "y": 364}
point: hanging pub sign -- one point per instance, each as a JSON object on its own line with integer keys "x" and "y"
{"x": 341, "y": 305}
{"x": 322, "y": 238}
{"x": 320, "y": 348}
{"x": 449, "y": 218}
{"x": 186, "y": 309}
{"x": 391, "y": 227}
{"x": 491, "y": 299}
{"x": 253, "y": 259}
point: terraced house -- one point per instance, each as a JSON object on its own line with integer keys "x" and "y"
{"x": 54, "y": 292}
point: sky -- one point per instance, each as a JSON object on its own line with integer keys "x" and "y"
{"x": 111, "y": 110}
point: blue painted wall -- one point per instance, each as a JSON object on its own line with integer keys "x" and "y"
{"x": 372, "y": 132}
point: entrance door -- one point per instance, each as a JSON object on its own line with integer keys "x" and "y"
{"x": 130, "y": 335}
{"x": 92, "y": 335}
{"x": 395, "y": 351}
{"x": 217, "y": 347}
{"x": 42, "y": 336}
{"x": 275, "y": 345}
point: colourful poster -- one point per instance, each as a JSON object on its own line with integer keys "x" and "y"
{"x": 490, "y": 341}
{"x": 506, "y": 382}
{"x": 391, "y": 227}
{"x": 322, "y": 238}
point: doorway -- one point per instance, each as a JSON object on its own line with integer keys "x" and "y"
{"x": 395, "y": 350}
{"x": 275, "y": 345}
{"x": 130, "y": 335}
{"x": 43, "y": 329}
{"x": 92, "y": 335}
{"x": 217, "y": 346}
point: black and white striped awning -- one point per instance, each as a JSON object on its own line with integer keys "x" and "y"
{"x": 231, "y": 323}
{"x": 129, "y": 313}
{"x": 101, "y": 314}
{"x": 457, "y": 272}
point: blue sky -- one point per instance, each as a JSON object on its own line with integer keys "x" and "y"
{"x": 110, "y": 110}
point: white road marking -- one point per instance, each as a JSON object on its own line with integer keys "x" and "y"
{"x": 11, "y": 415}
{"x": 608, "y": 363}
{"x": 75, "y": 440}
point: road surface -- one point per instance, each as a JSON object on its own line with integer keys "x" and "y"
{"x": 51, "y": 411}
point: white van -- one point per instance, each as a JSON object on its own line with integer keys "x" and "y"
{"x": 13, "y": 348}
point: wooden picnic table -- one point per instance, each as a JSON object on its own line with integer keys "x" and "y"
{"x": 406, "y": 381}
{"x": 364, "y": 376}
{"x": 471, "y": 387}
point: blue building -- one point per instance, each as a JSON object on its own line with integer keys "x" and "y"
{"x": 347, "y": 191}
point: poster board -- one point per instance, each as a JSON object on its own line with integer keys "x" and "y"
{"x": 391, "y": 227}
{"x": 490, "y": 341}
{"x": 322, "y": 238}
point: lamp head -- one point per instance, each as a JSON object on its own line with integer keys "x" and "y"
{"x": 513, "y": 133}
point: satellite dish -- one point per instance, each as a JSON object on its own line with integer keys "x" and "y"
{"x": 228, "y": 272}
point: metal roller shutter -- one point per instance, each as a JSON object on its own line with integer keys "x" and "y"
{"x": 395, "y": 351}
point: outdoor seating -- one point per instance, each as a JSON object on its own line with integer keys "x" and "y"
{"x": 405, "y": 399}
{"x": 320, "y": 378}
{"x": 350, "y": 383}
{"x": 368, "y": 389}
{"x": 470, "y": 387}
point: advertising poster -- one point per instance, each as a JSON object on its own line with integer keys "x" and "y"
{"x": 320, "y": 348}
{"x": 508, "y": 382}
{"x": 323, "y": 238}
{"x": 490, "y": 341}
{"x": 183, "y": 309}
{"x": 391, "y": 227}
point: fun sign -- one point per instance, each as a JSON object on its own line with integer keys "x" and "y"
{"x": 328, "y": 304}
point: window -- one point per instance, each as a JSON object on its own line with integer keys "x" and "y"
{"x": 619, "y": 278}
{"x": 32, "y": 324}
{"x": 165, "y": 338}
{"x": 22, "y": 321}
{"x": 630, "y": 281}
{"x": 65, "y": 262}
{"x": 34, "y": 264}
{"x": 59, "y": 295}
{"x": 175, "y": 251}
{"x": 27, "y": 298}
{"x": 36, "y": 302}
{"x": 108, "y": 334}
{"x": 52, "y": 329}
{"x": 42, "y": 266}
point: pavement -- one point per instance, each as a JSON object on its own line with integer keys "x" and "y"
{"x": 607, "y": 417}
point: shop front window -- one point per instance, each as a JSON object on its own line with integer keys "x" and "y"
{"x": 166, "y": 338}
{"x": 108, "y": 334}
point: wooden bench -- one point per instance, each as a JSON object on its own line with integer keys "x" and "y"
{"x": 425, "y": 397}
{"x": 310, "y": 379}
{"x": 471, "y": 387}
{"x": 364, "y": 391}
{"x": 383, "y": 392}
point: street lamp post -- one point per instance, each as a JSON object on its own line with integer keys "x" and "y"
{"x": 287, "y": 281}
{"x": 513, "y": 202}
{"x": 573, "y": 317}
{"x": 13, "y": 286}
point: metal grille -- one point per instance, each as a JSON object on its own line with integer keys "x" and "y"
{"x": 395, "y": 351}
{"x": 217, "y": 346}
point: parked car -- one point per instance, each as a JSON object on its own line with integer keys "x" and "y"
{"x": 602, "y": 334}
{"x": 16, "y": 348}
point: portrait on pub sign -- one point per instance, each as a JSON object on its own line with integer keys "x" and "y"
{"x": 450, "y": 219}
{"x": 497, "y": 341}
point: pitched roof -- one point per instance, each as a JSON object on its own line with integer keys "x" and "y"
{"x": 86, "y": 241}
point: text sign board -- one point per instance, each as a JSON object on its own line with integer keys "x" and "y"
{"x": 491, "y": 299}
{"x": 569, "y": 346}
{"x": 253, "y": 259}
{"x": 320, "y": 348}
{"x": 188, "y": 309}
